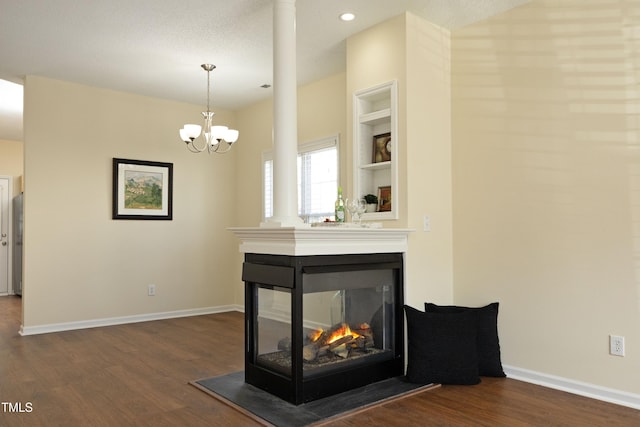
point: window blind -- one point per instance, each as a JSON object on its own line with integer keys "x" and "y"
{"x": 317, "y": 180}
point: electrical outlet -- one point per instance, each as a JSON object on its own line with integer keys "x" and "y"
{"x": 426, "y": 223}
{"x": 616, "y": 345}
{"x": 151, "y": 290}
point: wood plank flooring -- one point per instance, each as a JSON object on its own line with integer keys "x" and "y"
{"x": 138, "y": 375}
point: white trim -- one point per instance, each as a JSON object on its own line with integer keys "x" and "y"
{"x": 111, "y": 321}
{"x": 284, "y": 316}
{"x": 266, "y": 156}
{"x": 321, "y": 240}
{"x": 9, "y": 236}
{"x": 576, "y": 387}
{"x": 320, "y": 144}
{"x": 277, "y": 315}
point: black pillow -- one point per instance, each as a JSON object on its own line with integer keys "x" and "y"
{"x": 442, "y": 347}
{"x": 489, "y": 362}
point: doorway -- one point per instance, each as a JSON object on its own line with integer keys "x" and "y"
{"x": 5, "y": 235}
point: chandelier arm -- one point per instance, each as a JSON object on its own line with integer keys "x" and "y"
{"x": 193, "y": 147}
{"x": 190, "y": 148}
{"x": 218, "y": 151}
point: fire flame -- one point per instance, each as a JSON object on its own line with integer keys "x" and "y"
{"x": 341, "y": 332}
{"x": 315, "y": 335}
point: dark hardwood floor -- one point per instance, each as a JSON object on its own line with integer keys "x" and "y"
{"x": 138, "y": 375}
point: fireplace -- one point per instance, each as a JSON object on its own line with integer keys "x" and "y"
{"x": 318, "y": 325}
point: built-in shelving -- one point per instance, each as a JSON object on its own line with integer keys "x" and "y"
{"x": 375, "y": 166}
{"x": 375, "y": 114}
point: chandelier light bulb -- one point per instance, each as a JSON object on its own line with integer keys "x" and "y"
{"x": 219, "y": 132}
{"x": 232, "y": 136}
{"x": 190, "y": 132}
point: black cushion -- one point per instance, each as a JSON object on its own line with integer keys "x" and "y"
{"x": 442, "y": 347}
{"x": 489, "y": 362}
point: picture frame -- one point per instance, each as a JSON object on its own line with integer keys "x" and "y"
{"x": 384, "y": 199}
{"x": 381, "y": 148}
{"x": 142, "y": 190}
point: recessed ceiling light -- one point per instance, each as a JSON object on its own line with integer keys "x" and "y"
{"x": 347, "y": 16}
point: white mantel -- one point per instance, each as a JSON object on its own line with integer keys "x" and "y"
{"x": 300, "y": 241}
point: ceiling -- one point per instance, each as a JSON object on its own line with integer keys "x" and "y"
{"x": 155, "y": 47}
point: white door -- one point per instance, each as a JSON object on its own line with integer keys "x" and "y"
{"x": 4, "y": 235}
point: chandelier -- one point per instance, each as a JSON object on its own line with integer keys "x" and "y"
{"x": 214, "y": 136}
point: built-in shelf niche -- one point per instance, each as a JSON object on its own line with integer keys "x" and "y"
{"x": 375, "y": 113}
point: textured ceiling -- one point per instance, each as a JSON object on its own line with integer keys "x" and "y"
{"x": 155, "y": 47}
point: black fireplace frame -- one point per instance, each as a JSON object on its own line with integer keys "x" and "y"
{"x": 284, "y": 271}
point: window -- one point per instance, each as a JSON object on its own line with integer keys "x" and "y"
{"x": 317, "y": 180}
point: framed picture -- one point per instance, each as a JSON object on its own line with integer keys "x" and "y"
{"x": 142, "y": 190}
{"x": 381, "y": 148}
{"x": 384, "y": 199}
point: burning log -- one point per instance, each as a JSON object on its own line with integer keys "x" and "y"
{"x": 359, "y": 343}
{"x": 310, "y": 352}
{"x": 341, "y": 351}
{"x": 315, "y": 335}
{"x": 365, "y": 331}
{"x": 338, "y": 341}
{"x": 341, "y": 346}
{"x": 344, "y": 340}
{"x": 323, "y": 350}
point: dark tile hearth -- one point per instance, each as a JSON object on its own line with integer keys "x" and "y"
{"x": 269, "y": 409}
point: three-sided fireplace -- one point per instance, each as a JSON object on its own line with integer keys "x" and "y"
{"x": 320, "y": 325}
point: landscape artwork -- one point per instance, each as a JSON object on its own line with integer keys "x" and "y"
{"x": 142, "y": 189}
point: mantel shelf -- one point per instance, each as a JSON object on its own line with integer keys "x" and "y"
{"x": 321, "y": 240}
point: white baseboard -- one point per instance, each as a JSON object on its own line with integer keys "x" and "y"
{"x": 111, "y": 321}
{"x": 576, "y": 387}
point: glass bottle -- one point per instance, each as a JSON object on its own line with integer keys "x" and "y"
{"x": 340, "y": 215}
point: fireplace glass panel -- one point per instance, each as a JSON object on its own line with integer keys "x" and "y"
{"x": 347, "y": 318}
{"x": 274, "y": 329}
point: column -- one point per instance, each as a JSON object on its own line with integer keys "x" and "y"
{"x": 285, "y": 117}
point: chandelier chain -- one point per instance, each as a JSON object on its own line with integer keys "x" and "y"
{"x": 208, "y": 89}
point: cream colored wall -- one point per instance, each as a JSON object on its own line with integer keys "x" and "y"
{"x": 546, "y": 131}
{"x": 416, "y": 53}
{"x": 321, "y": 114}
{"x": 82, "y": 265}
{"x": 428, "y": 163}
{"x": 12, "y": 161}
